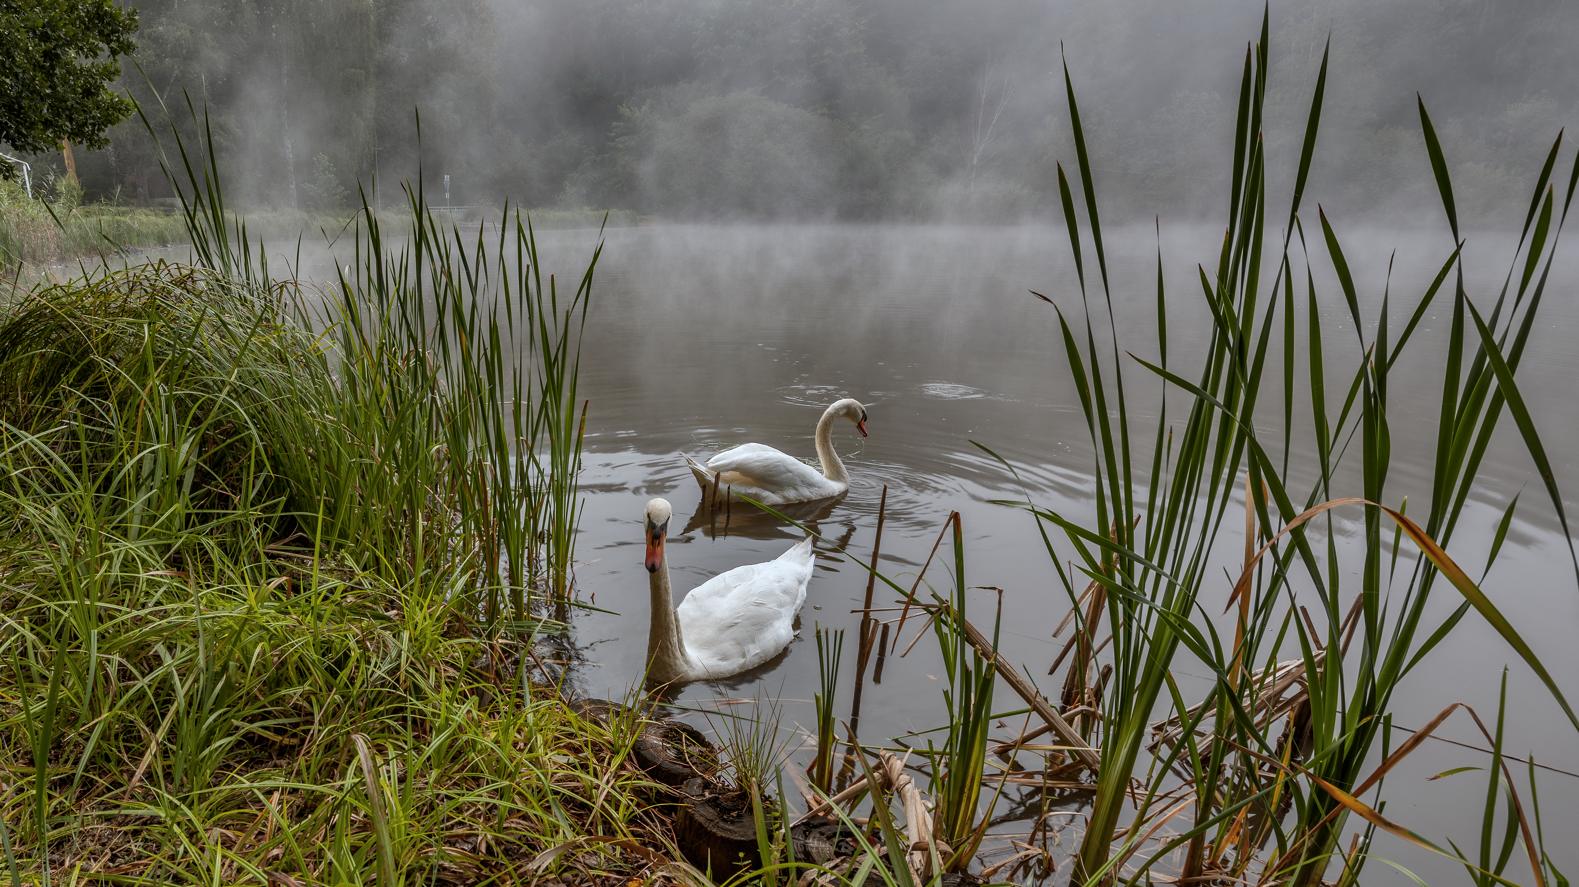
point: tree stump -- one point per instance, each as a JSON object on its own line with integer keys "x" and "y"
{"x": 673, "y": 752}
{"x": 715, "y": 828}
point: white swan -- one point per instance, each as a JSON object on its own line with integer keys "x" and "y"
{"x": 733, "y": 622}
{"x": 774, "y": 478}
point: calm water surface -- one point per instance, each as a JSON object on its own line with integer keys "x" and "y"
{"x": 704, "y": 337}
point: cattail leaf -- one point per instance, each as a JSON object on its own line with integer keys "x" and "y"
{"x": 1521, "y": 417}
{"x": 1438, "y": 167}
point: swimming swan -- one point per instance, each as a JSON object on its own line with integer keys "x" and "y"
{"x": 731, "y": 623}
{"x": 774, "y": 478}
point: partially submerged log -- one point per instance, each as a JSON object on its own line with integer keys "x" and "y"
{"x": 673, "y": 752}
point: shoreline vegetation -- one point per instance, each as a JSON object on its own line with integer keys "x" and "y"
{"x": 281, "y": 565}
{"x": 40, "y": 232}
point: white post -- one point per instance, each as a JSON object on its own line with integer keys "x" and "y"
{"x": 27, "y": 173}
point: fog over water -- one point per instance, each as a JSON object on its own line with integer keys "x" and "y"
{"x": 827, "y": 109}
{"x": 707, "y": 336}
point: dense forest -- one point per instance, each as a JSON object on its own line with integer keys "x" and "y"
{"x": 829, "y": 108}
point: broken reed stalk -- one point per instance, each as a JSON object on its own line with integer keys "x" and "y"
{"x": 1038, "y": 703}
{"x": 868, "y": 628}
{"x": 918, "y": 818}
{"x": 846, "y": 796}
{"x": 1278, "y": 677}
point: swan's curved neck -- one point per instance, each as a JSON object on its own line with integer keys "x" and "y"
{"x": 666, "y": 659}
{"x": 832, "y": 467}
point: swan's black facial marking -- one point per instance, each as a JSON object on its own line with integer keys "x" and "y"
{"x": 655, "y": 536}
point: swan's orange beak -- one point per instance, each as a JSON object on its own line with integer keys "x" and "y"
{"x": 654, "y": 551}
{"x": 861, "y": 427}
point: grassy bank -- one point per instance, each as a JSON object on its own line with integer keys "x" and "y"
{"x": 36, "y": 231}
{"x": 60, "y": 229}
{"x": 274, "y": 561}
{"x": 257, "y": 623}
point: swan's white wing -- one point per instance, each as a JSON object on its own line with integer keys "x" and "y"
{"x": 741, "y": 619}
{"x": 762, "y": 466}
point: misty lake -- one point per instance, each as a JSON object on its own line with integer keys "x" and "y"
{"x": 704, "y": 337}
{"x": 701, "y": 337}
{"x": 1229, "y": 551}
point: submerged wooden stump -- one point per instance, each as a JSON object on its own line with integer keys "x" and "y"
{"x": 715, "y": 827}
{"x": 823, "y": 841}
{"x": 673, "y": 752}
{"x": 669, "y": 751}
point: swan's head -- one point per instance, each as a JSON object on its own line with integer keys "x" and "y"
{"x": 656, "y": 530}
{"x": 851, "y": 409}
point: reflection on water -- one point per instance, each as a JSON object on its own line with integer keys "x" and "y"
{"x": 701, "y": 338}
{"x": 720, "y": 517}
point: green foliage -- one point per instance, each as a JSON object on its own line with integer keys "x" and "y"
{"x": 34, "y": 231}
{"x": 268, "y": 555}
{"x": 324, "y": 189}
{"x": 1353, "y": 640}
{"x": 58, "y": 59}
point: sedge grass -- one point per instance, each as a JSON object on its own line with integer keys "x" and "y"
{"x": 1160, "y": 515}
{"x": 959, "y": 765}
{"x": 268, "y": 559}
{"x": 830, "y": 647}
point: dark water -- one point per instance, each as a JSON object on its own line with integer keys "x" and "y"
{"x": 704, "y": 337}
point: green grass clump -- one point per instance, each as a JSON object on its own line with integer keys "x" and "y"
{"x": 143, "y": 389}
{"x": 271, "y": 561}
{"x": 243, "y": 719}
{"x": 1309, "y": 650}
{"x": 202, "y": 676}
{"x": 199, "y": 677}
{"x": 33, "y": 231}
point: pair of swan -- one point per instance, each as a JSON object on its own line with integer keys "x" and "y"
{"x": 741, "y": 618}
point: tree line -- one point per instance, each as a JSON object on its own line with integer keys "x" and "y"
{"x": 843, "y": 109}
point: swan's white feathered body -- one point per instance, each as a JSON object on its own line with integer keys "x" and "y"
{"x": 773, "y": 477}
{"x": 766, "y": 475}
{"x": 729, "y": 624}
{"x": 740, "y": 619}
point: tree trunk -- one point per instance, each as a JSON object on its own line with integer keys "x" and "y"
{"x": 71, "y": 161}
